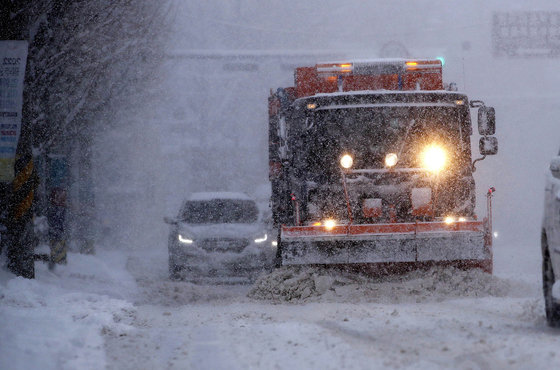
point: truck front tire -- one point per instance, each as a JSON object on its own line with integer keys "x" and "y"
{"x": 174, "y": 270}
{"x": 552, "y": 305}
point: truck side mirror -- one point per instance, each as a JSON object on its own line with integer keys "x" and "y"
{"x": 486, "y": 121}
{"x": 555, "y": 167}
{"x": 488, "y": 145}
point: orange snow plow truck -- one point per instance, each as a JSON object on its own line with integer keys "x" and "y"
{"x": 371, "y": 167}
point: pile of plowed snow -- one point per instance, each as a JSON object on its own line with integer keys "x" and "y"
{"x": 308, "y": 284}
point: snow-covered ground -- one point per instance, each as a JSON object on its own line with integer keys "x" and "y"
{"x": 58, "y": 320}
{"x": 118, "y": 310}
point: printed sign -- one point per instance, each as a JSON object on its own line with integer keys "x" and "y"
{"x": 13, "y": 58}
{"x": 526, "y": 33}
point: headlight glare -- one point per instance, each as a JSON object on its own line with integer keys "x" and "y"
{"x": 391, "y": 159}
{"x": 346, "y": 161}
{"x": 263, "y": 239}
{"x": 184, "y": 240}
{"x": 329, "y": 224}
{"x": 449, "y": 220}
{"x": 434, "y": 158}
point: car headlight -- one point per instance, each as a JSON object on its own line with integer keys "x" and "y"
{"x": 434, "y": 158}
{"x": 184, "y": 239}
{"x": 346, "y": 161}
{"x": 262, "y": 239}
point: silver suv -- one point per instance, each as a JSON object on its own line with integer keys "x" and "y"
{"x": 219, "y": 236}
{"x": 550, "y": 244}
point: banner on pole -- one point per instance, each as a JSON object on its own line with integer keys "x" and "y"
{"x": 13, "y": 59}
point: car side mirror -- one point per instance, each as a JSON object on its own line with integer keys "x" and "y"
{"x": 486, "y": 121}
{"x": 170, "y": 221}
{"x": 488, "y": 145}
{"x": 555, "y": 167}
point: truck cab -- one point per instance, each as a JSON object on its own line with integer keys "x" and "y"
{"x": 398, "y": 145}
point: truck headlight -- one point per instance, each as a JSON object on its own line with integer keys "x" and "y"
{"x": 449, "y": 220}
{"x": 262, "y": 239}
{"x": 434, "y": 158}
{"x": 346, "y": 161}
{"x": 391, "y": 159}
{"x": 329, "y": 224}
{"x": 184, "y": 239}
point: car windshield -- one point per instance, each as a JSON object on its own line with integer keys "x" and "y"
{"x": 219, "y": 211}
{"x": 369, "y": 134}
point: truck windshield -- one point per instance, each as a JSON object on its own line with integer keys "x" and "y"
{"x": 369, "y": 134}
{"x": 219, "y": 211}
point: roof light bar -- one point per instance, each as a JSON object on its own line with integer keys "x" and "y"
{"x": 334, "y": 68}
{"x": 415, "y": 65}
{"x": 376, "y": 67}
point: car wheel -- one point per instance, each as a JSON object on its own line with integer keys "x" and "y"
{"x": 174, "y": 270}
{"x": 552, "y": 306}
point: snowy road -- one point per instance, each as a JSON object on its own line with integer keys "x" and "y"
{"x": 487, "y": 333}
{"x": 118, "y": 310}
{"x": 180, "y": 325}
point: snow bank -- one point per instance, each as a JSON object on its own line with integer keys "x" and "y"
{"x": 57, "y": 321}
{"x": 308, "y": 284}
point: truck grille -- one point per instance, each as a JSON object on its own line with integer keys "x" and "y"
{"x": 223, "y": 245}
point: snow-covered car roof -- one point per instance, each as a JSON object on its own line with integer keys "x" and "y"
{"x": 218, "y": 195}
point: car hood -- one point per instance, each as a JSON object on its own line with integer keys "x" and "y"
{"x": 222, "y": 230}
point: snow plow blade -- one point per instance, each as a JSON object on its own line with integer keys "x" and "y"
{"x": 461, "y": 244}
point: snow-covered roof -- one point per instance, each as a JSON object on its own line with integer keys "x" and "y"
{"x": 381, "y": 92}
{"x": 378, "y": 60}
{"x": 218, "y": 195}
{"x": 351, "y": 106}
